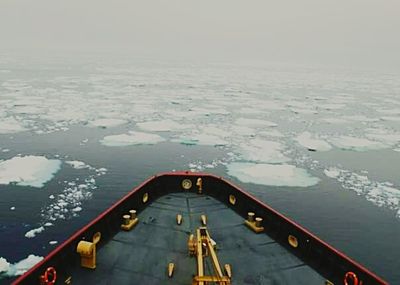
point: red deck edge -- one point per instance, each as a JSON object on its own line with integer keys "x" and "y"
{"x": 188, "y": 173}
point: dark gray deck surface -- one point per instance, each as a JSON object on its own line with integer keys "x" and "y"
{"x": 141, "y": 255}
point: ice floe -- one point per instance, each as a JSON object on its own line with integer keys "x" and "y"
{"x": 69, "y": 203}
{"x": 29, "y": 170}
{"x": 271, "y": 174}
{"x": 107, "y": 123}
{"x": 201, "y": 139}
{"x": 10, "y": 126}
{"x": 132, "y": 138}
{"x": 77, "y": 164}
{"x": 311, "y": 142}
{"x": 382, "y": 194}
{"x": 356, "y": 144}
{"x": 32, "y": 233}
{"x": 259, "y": 150}
{"x": 20, "y": 267}
{"x": 255, "y": 123}
{"x": 162, "y": 126}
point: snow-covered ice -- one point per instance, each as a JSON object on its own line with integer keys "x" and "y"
{"x": 132, "y": 138}
{"x": 107, "y": 123}
{"x": 258, "y": 150}
{"x": 19, "y": 267}
{"x": 162, "y": 126}
{"x": 272, "y": 174}
{"x": 356, "y": 144}
{"x": 10, "y": 126}
{"x": 29, "y": 170}
{"x": 313, "y": 143}
{"x": 255, "y": 123}
{"x": 32, "y": 233}
{"x": 77, "y": 164}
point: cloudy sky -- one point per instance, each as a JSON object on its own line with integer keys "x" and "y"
{"x": 321, "y": 31}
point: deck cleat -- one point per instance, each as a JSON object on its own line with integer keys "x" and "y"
{"x": 87, "y": 250}
{"x": 179, "y": 219}
{"x": 255, "y": 224}
{"x": 129, "y": 220}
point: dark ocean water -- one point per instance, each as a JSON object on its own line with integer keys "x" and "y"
{"x": 57, "y": 99}
{"x": 367, "y": 233}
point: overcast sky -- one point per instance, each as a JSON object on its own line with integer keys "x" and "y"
{"x": 351, "y": 31}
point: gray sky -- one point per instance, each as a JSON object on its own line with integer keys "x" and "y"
{"x": 320, "y": 31}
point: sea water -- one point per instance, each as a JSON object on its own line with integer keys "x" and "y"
{"x": 321, "y": 145}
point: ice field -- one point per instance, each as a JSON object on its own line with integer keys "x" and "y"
{"x": 275, "y": 127}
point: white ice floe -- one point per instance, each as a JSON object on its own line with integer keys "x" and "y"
{"x": 382, "y": 194}
{"x": 20, "y": 267}
{"x": 357, "y": 144}
{"x": 69, "y": 203}
{"x": 258, "y": 150}
{"x": 12, "y": 208}
{"x": 52, "y": 242}
{"x": 107, "y": 123}
{"x": 32, "y": 233}
{"x": 132, "y": 138}
{"x": 391, "y": 118}
{"x": 29, "y": 170}
{"x": 312, "y": 142}
{"x": 332, "y": 172}
{"x": 77, "y": 164}
{"x": 254, "y": 123}
{"x": 10, "y": 126}
{"x": 360, "y": 118}
{"x": 201, "y": 139}
{"x": 335, "y": 120}
{"x": 385, "y": 137}
{"x": 272, "y": 174}
{"x": 162, "y": 126}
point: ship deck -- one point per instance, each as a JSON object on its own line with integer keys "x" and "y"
{"x": 141, "y": 255}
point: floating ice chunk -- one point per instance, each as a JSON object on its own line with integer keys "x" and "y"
{"x": 357, "y": 144}
{"x": 272, "y": 174}
{"x": 258, "y": 150}
{"x": 391, "y": 118}
{"x": 132, "y": 138}
{"x": 202, "y": 139}
{"x": 271, "y": 133}
{"x": 4, "y": 265}
{"x": 332, "y": 172}
{"x": 334, "y": 106}
{"x": 162, "y": 126}
{"x": 20, "y": 267}
{"x": 386, "y": 138}
{"x": 244, "y": 131}
{"x": 334, "y": 120}
{"x": 304, "y": 111}
{"x": 29, "y": 170}
{"x": 77, "y": 209}
{"x": 107, "y": 123}
{"x": 10, "y": 125}
{"x": 77, "y": 164}
{"x": 389, "y": 111}
{"x": 360, "y": 118}
{"x": 12, "y": 208}
{"x": 311, "y": 143}
{"x": 255, "y": 123}
{"x": 34, "y": 232}
{"x": 52, "y": 242}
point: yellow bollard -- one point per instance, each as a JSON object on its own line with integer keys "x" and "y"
{"x": 171, "y": 268}
{"x": 255, "y": 224}
{"x": 87, "y": 250}
{"x": 179, "y": 219}
{"x": 129, "y": 221}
